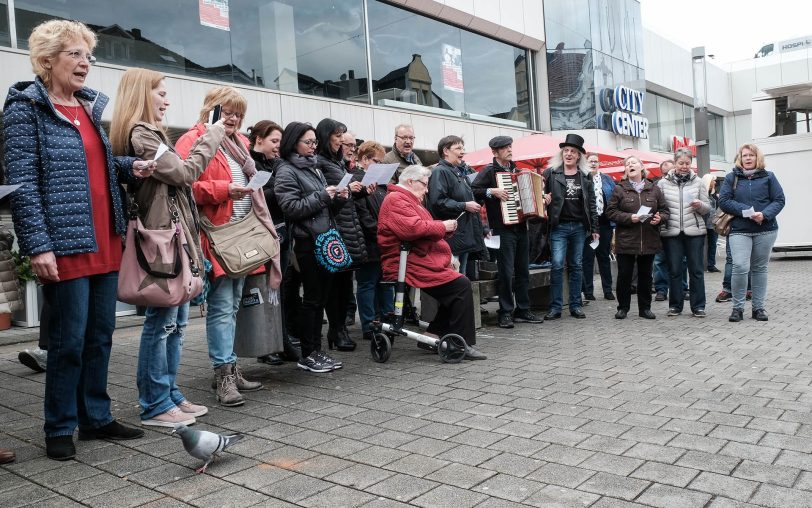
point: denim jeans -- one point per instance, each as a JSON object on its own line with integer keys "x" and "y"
{"x": 373, "y": 298}
{"x": 692, "y": 249}
{"x": 81, "y": 324}
{"x": 566, "y": 242}
{"x": 729, "y": 270}
{"x": 751, "y": 255}
{"x": 713, "y": 238}
{"x": 604, "y": 264}
{"x": 463, "y": 261}
{"x": 661, "y": 278}
{"x": 221, "y": 320}
{"x": 159, "y": 358}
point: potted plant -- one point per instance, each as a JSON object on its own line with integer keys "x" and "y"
{"x": 31, "y": 293}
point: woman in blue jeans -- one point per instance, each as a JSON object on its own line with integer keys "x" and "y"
{"x": 754, "y": 197}
{"x": 162, "y": 201}
{"x": 683, "y": 234}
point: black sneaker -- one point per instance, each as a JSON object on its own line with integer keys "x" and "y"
{"x": 113, "y": 430}
{"x": 314, "y": 363}
{"x": 700, "y": 313}
{"x": 505, "y": 321}
{"x": 60, "y": 447}
{"x": 590, "y": 297}
{"x": 735, "y": 315}
{"x": 673, "y": 312}
{"x": 330, "y": 360}
{"x": 525, "y": 316}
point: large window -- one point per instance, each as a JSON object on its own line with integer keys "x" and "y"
{"x": 5, "y": 36}
{"x": 669, "y": 118}
{"x": 317, "y": 48}
{"x": 425, "y": 62}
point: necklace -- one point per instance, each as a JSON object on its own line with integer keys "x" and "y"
{"x": 66, "y": 111}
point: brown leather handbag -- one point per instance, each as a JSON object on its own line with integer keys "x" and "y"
{"x": 242, "y": 246}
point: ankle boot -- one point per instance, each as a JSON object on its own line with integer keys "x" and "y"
{"x": 292, "y": 350}
{"x": 243, "y": 384}
{"x": 340, "y": 341}
{"x": 227, "y": 393}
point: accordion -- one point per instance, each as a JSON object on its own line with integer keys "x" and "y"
{"x": 525, "y": 196}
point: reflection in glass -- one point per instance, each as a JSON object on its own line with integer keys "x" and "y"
{"x": 5, "y": 35}
{"x": 425, "y": 62}
{"x": 315, "y": 48}
{"x": 572, "y": 90}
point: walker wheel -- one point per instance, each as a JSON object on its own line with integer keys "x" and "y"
{"x": 451, "y": 348}
{"x": 380, "y": 347}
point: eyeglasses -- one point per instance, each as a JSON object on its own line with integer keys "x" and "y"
{"x": 376, "y": 161}
{"x": 78, "y": 56}
{"x": 406, "y": 138}
{"x": 227, "y": 114}
{"x": 348, "y": 145}
{"x": 309, "y": 142}
{"x": 426, "y": 183}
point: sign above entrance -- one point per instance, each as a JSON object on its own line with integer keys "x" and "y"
{"x": 624, "y": 112}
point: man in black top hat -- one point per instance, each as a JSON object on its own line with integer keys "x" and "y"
{"x": 514, "y": 249}
{"x": 571, "y": 217}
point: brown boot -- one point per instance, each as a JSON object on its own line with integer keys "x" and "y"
{"x": 6, "y": 456}
{"x": 227, "y": 393}
{"x": 243, "y": 384}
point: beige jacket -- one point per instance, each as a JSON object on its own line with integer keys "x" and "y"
{"x": 152, "y": 194}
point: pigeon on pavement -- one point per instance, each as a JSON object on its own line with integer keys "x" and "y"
{"x": 203, "y": 444}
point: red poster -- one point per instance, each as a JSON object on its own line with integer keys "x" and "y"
{"x": 452, "y": 68}
{"x": 214, "y": 13}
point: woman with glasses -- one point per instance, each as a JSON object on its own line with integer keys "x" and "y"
{"x": 330, "y": 156}
{"x": 307, "y": 202}
{"x": 450, "y": 197}
{"x": 222, "y": 196}
{"x": 69, "y": 218}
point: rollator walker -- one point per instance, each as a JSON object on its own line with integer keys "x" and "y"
{"x": 451, "y": 347}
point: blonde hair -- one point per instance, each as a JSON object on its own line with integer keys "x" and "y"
{"x": 133, "y": 104}
{"x": 643, "y": 170}
{"x": 227, "y": 97}
{"x": 760, "y": 163}
{"x": 47, "y": 40}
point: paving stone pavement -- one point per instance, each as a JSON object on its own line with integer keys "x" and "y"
{"x": 678, "y": 412}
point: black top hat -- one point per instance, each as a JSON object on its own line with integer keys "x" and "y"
{"x": 500, "y": 142}
{"x": 575, "y": 141}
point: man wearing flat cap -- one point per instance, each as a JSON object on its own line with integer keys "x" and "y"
{"x": 514, "y": 249}
{"x": 572, "y": 216}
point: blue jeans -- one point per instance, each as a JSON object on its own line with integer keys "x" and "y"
{"x": 566, "y": 242}
{"x": 661, "y": 278}
{"x": 604, "y": 264}
{"x": 221, "y": 320}
{"x": 158, "y": 359}
{"x": 729, "y": 270}
{"x": 373, "y": 297}
{"x": 751, "y": 255}
{"x": 691, "y": 248}
{"x": 81, "y": 324}
{"x": 463, "y": 261}
{"x": 713, "y": 238}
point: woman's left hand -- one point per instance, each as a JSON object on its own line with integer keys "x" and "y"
{"x": 356, "y": 186}
{"x": 143, "y": 169}
{"x": 655, "y": 219}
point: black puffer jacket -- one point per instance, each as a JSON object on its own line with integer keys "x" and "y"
{"x": 448, "y": 193}
{"x": 301, "y": 194}
{"x": 367, "y": 206}
{"x": 346, "y": 217}
{"x": 270, "y": 165}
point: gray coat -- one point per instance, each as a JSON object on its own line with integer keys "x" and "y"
{"x": 678, "y": 196}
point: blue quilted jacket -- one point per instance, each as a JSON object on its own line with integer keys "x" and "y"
{"x": 44, "y": 153}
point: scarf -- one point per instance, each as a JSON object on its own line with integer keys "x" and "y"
{"x": 749, "y": 172}
{"x": 638, "y": 186}
{"x": 682, "y": 178}
{"x": 237, "y": 151}
{"x": 302, "y": 162}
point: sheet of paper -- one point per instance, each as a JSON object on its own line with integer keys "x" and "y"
{"x": 748, "y": 212}
{"x": 493, "y": 242}
{"x": 644, "y": 210}
{"x": 472, "y": 177}
{"x": 344, "y": 182}
{"x": 162, "y": 149}
{"x": 379, "y": 173}
{"x": 5, "y": 190}
{"x": 594, "y": 244}
{"x": 260, "y": 179}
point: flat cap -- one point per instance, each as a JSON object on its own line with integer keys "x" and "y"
{"x": 500, "y": 142}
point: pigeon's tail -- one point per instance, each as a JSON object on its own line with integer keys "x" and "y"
{"x": 230, "y": 440}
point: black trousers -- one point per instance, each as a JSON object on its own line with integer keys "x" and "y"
{"x": 316, "y": 283}
{"x": 625, "y": 274}
{"x": 338, "y": 301}
{"x": 514, "y": 273}
{"x": 455, "y": 312}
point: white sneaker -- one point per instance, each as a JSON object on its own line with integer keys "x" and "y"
{"x": 192, "y": 409}
{"x": 169, "y": 419}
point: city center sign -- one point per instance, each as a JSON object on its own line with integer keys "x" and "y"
{"x": 626, "y": 107}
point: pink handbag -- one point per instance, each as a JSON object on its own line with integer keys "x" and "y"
{"x": 156, "y": 267}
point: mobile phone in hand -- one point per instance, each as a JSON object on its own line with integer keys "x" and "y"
{"x": 214, "y": 115}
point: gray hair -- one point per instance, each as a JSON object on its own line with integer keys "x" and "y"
{"x": 403, "y": 126}
{"x": 413, "y": 172}
{"x": 557, "y": 161}
{"x": 683, "y": 152}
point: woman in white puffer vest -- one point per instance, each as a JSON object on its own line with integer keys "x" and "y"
{"x": 684, "y": 233}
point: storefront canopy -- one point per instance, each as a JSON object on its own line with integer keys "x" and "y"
{"x": 534, "y": 152}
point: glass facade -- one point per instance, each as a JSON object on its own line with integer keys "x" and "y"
{"x": 593, "y": 45}
{"x": 668, "y": 118}
{"x": 314, "y": 47}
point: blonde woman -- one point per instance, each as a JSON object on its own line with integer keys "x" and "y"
{"x": 74, "y": 245}
{"x": 138, "y": 130}
{"x": 222, "y": 196}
